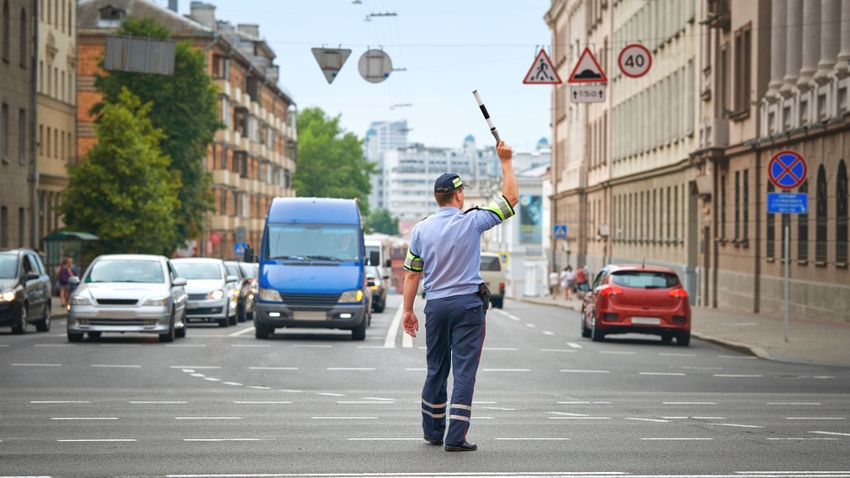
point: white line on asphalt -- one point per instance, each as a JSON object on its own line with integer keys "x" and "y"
{"x": 212, "y": 379}
{"x": 233, "y": 384}
{"x": 509, "y": 315}
{"x": 45, "y": 402}
{"x": 506, "y": 370}
{"x": 670, "y": 354}
{"x": 566, "y": 414}
{"x": 616, "y": 352}
{"x": 96, "y": 440}
{"x": 331, "y": 394}
{"x": 430, "y": 475}
{"x": 532, "y": 439}
{"x": 188, "y": 370}
{"x": 258, "y": 387}
{"x": 84, "y": 418}
{"x": 708, "y": 418}
{"x": 406, "y": 340}
{"x": 815, "y": 418}
{"x": 584, "y": 371}
{"x": 416, "y": 369}
{"x": 676, "y": 439}
{"x": 384, "y": 439}
{"x": 737, "y": 425}
{"x": 362, "y": 402}
{"x": 158, "y": 402}
{"x": 196, "y": 375}
{"x": 392, "y": 332}
{"x": 312, "y": 346}
{"x": 36, "y": 365}
{"x": 350, "y": 369}
{"x": 251, "y": 346}
{"x": 823, "y": 377}
{"x": 557, "y": 350}
{"x": 805, "y": 439}
{"x": 530, "y": 326}
{"x": 669, "y": 374}
{"x": 379, "y": 398}
{"x": 579, "y": 418}
{"x": 548, "y": 332}
{"x": 573, "y": 345}
{"x": 654, "y": 420}
{"x": 344, "y": 418}
{"x": 790, "y": 472}
{"x": 689, "y": 403}
{"x": 205, "y": 367}
{"x": 208, "y": 418}
{"x": 501, "y": 409}
{"x": 831, "y": 433}
{"x": 501, "y": 349}
{"x": 795, "y": 403}
{"x": 107, "y": 365}
{"x": 221, "y": 439}
{"x": 241, "y": 332}
{"x": 738, "y": 375}
{"x": 4, "y": 346}
{"x": 262, "y": 402}
{"x": 289, "y": 390}
{"x": 574, "y": 402}
{"x": 483, "y": 418}
{"x": 273, "y": 368}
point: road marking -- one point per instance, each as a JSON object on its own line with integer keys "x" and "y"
{"x": 212, "y": 379}
{"x": 805, "y": 439}
{"x": 262, "y": 402}
{"x": 258, "y": 387}
{"x": 557, "y": 350}
{"x": 158, "y": 402}
{"x": 676, "y": 439}
{"x": 668, "y": 374}
{"x": 204, "y": 367}
{"x": 289, "y": 390}
{"x": 689, "y": 403}
{"x": 738, "y": 375}
{"x": 548, "y": 332}
{"x": 350, "y": 369}
{"x": 241, "y": 332}
{"x": 737, "y": 425}
{"x": 196, "y": 375}
{"x": 795, "y": 403}
{"x": 501, "y": 349}
{"x": 252, "y": 346}
{"x": 823, "y": 377}
{"x": 406, "y": 341}
{"x": 384, "y": 439}
{"x": 392, "y": 332}
{"x": 584, "y": 371}
{"x": 379, "y": 398}
{"x": 509, "y": 315}
{"x": 501, "y": 409}
{"x": 84, "y": 418}
{"x": 708, "y": 418}
{"x": 331, "y": 394}
{"x": 312, "y": 346}
{"x": 4, "y": 346}
{"x": 233, "y": 384}
{"x": 96, "y": 440}
{"x": 654, "y": 420}
{"x": 36, "y": 365}
{"x": 344, "y": 418}
{"x": 506, "y": 370}
{"x": 573, "y": 345}
{"x": 670, "y": 354}
{"x": 831, "y": 433}
{"x": 363, "y": 402}
{"x": 532, "y": 439}
{"x": 815, "y": 418}
{"x": 565, "y": 414}
{"x": 616, "y": 352}
{"x": 416, "y": 369}
{"x": 188, "y": 370}
{"x": 45, "y": 402}
{"x": 106, "y": 365}
{"x": 52, "y": 345}
{"x": 208, "y": 418}
{"x": 579, "y": 418}
{"x": 530, "y": 326}
{"x": 273, "y": 368}
{"x": 221, "y": 439}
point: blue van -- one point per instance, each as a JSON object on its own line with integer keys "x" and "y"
{"x": 312, "y": 268}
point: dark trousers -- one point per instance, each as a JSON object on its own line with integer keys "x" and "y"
{"x": 454, "y": 328}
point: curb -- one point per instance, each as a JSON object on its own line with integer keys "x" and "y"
{"x": 562, "y": 306}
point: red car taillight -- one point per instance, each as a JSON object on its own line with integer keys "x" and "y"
{"x": 678, "y": 293}
{"x": 610, "y": 290}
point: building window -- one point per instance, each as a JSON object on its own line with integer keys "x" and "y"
{"x": 40, "y": 139}
{"x": 223, "y": 202}
{"x": 643, "y": 221}
{"x": 737, "y": 205}
{"x": 4, "y": 227}
{"x": 23, "y": 39}
{"x": 22, "y": 136}
{"x": 770, "y": 250}
{"x": 722, "y": 206}
{"x": 841, "y": 214}
{"x": 743, "y": 69}
{"x": 669, "y": 212}
{"x": 803, "y": 229}
{"x": 71, "y": 18}
{"x": 7, "y": 27}
{"x": 745, "y": 203}
{"x": 22, "y": 226}
{"x": 221, "y": 67}
{"x": 723, "y": 83}
{"x": 4, "y": 132}
{"x": 820, "y": 217}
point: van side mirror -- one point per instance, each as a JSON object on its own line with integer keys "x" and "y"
{"x": 375, "y": 258}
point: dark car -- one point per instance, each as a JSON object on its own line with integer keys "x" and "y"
{"x": 243, "y": 286}
{"x": 376, "y": 282}
{"x": 251, "y": 271}
{"x": 24, "y": 291}
{"x": 637, "y": 299}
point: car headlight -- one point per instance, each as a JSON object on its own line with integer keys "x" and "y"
{"x": 351, "y": 296}
{"x": 216, "y": 294}
{"x": 270, "y": 295}
{"x": 80, "y": 300}
{"x": 156, "y": 301}
{"x": 7, "y": 296}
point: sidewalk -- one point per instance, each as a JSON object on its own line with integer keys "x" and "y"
{"x": 822, "y": 343}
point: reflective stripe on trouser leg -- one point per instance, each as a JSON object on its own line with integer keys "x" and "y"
{"x": 467, "y": 338}
{"x": 434, "y": 396}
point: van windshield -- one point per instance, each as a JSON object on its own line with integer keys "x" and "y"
{"x": 313, "y": 242}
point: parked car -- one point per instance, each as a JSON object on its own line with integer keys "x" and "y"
{"x": 242, "y": 289}
{"x": 24, "y": 291}
{"x": 213, "y": 293}
{"x": 251, "y": 271}
{"x": 377, "y": 283}
{"x": 637, "y": 299}
{"x": 494, "y": 278}
{"x": 128, "y": 293}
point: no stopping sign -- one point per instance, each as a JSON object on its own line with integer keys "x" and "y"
{"x": 634, "y": 60}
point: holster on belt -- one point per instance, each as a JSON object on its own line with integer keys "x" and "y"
{"x": 484, "y": 293}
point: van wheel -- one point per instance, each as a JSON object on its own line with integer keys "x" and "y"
{"x": 262, "y": 332}
{"x": 359, "y": 332}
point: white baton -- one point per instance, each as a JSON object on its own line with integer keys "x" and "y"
{"x": 486, "y": 116}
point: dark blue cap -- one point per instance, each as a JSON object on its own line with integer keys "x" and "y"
{"x": 447, "y": 182}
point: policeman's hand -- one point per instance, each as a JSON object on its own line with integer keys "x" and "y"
{"x": 411, "y": 324}
{"x": 505, "y": 152}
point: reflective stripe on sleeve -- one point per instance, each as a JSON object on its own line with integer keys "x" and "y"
{"x": 413, "y": 262}
{"x": 459, "y": 417}
{"x": 502, "y": 208}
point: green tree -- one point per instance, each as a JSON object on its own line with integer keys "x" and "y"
{"x": 330, "y": 161}
{"x": 184, "y": 108}
{"x": 382, "y": 221}
{"x": 124, "y": 192}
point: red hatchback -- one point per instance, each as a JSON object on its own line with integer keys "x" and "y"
{"x": 637, "y": 299}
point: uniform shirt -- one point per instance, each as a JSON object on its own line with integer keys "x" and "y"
{"x": 446, "y": 247}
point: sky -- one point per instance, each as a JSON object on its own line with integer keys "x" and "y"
{"x": 448, "y": 49}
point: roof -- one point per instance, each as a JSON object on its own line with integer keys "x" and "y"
{"x": 70, "y": 236}
{"x": 196, "y": 259}
{"x": 88, "y": 15}
{"x": 132, "y": 257}
{"x": 639, "y": 267}
{"x": 314, "y": 211}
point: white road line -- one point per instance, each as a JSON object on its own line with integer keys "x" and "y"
{"x": 196, "y": 375}
{"x": 509, "y": 315}
{"x": 805, "y": 439}
{"x": 312, "y": 346}
{"x": 575, "y": 402}
{"x": 46, "y": 402}
{"x": 392, "y": 332}
{"x": 344, "y": 418}
{"x": 379, "y": 398}
{"x": 258, "y": 387}
{"x": 241, "y": 332}
{"x": 4, "y": 346}
{"x": 362, "y": 402}
{"x": 737, "y": 425}
{"x": 738, "y": 375}
{"x": 350, "y": 369}
{"x": 416, "y": 369}
{"x": 667, "y": 374}
{"x": 670, "y": 354}
{"x": 331, "y": 394}
{"x": 708, "y": 418}
{"x": 212, "y": 379}
{"x": 573, "y": 345}
{"x": 384, "y": 439}
{"x": 476, "y": 402}
{"x": 501, "y": 349}
{"x": 96, "y": 440}
{"x": 689, "y": 403}
{"x": 579, "y": 418}
{"x": 557, "y": 350}
{"x": 831, "y": 433}
{"x": 188, "y": 370}
{"x": 584, "y": 371}
{"x": 654, "y": 420}
{"x": 406, "y": 341}
{"x": 566, "y": 414}
{"x": 616, "y": 352}
{"x": 548, "y": 332}
{"x": 233, "y": 384}
{"x": 36, "y": 365}
{"x": 107, "y": 365}
{"x": 506, "y": 370}
{"x": 208, "y": 418}
{"x": 273, "y": 368}
{"x": 815, "y": 418}
{"x": 221, "y": 439}
{"x": 676, "y": 439}
{"x": 251, "y": 346}
{"x": 532, "y": 439}
{"x": 84, "y": 418}
{"x": 158, "y": 402}
{"x": 530, "y": 326}
{"x": 199, "y": 367}
{"x": 501, "y": 409}
{"x": 795, "y": 403}
{"x": 262, "y": 402}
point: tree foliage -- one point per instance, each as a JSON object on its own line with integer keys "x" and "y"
{"x": 124, "y": 192}
{"x": 184, "y": 108}
{"x": 330, "y": 161}
{"x": 380, "y": 220}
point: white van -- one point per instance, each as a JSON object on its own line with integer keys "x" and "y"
{"x": 494, "y": 277}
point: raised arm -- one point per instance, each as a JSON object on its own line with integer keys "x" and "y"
{"x": 509, "y": 185}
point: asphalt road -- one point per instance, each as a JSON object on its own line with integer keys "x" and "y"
{"x": 315, "y": 403}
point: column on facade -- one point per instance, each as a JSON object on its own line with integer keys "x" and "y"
{"x": 830, "y": 32}
{"x": 811, "y": 42}
{"x": 793, "y": 45}
{"x": 777, "y": 45}
{"x": 843, "y": 64}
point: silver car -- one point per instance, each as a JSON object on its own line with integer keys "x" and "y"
{"x": 213, "y": 294}
{"x": 128, "y": 293}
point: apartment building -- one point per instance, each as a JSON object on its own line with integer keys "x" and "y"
{"x": 253, "y": 158}
{"x": 381, "y": 137}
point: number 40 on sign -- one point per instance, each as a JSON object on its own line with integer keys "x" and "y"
{"x": 635, "y": 60}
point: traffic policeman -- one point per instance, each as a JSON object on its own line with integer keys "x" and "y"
{"x": 446, "y": 247}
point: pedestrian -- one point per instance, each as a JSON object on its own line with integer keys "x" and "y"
{"x": 63, "y": 275}
{"x": 446, "y": 249}
{"x": 581, "y": 282}
{"x": 569, "y": 282}
{"x": 554, "y": 282}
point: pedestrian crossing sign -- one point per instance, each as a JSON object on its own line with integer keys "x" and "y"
{"x": 542, "y": 71}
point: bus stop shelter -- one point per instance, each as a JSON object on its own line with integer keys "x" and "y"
{"x": 71, "y": 244}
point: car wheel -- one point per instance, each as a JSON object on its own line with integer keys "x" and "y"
{"x": 233, "y": 320}
{"x": 498, "y": 302}
{"x": 72, "y": 337}
{"x": 683, "y": 339}
{"x": 168, "y": 337}
{"x": 585, "y": 332}
{"x": 596, "y": 334}
{"x": 359, "y": 332}
{"x": 43, "y": 325}
{"x": 21, "y": 326}
{"x": 181, "y": 332}
{"x": 262, "y": 332}
{"x": 382, "y": 306}
{"x": 95, "y": 335}
{"x": 223, "y": 322}
{"x": 667, "y": 337}
{"x": 240, "y": 314}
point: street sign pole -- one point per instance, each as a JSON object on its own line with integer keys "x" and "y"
{"x": 787, "y": 233}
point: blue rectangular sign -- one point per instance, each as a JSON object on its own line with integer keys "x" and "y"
{"x": 787, "y": 203}
{"x": 560, "y": 231}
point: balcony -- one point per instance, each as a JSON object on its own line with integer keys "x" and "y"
{"x": 223, "y": 86}
{"x": 224, "y": 136}
{"x": 225, "y": 178}
{"x": 220, "y": 222}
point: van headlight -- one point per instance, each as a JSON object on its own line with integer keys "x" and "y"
{"x": 216, "y": 294}
{"x": 270, "y": 295}
{"x": 351, "y": 296}
{"x": 156, "y": 301}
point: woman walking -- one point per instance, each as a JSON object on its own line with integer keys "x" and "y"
{"x": 65, "y": 272}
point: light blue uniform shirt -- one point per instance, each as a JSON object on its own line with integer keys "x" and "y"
{"x": 446, "y": 247}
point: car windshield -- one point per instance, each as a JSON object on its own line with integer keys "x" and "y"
{"x": 198, "y": 270}
{"x": 147, "y": 272}
{"x": 8, "y": 266}
{"x": 645, "y": 279}
{"x": 249, "y": 270}
{"x": 372, "y": 271}
{"x": 490, "y": 263}
{"x": 313, "y": 242}
{"x": 232, "y": 269}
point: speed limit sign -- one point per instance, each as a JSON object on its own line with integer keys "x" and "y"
{"x": 635, "y": 60}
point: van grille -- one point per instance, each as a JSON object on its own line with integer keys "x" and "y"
{"x": 321, "y": 300}
{"x": 117, "y": 301}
